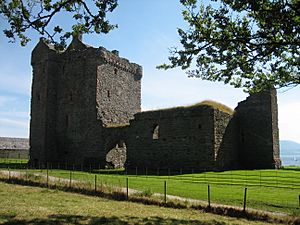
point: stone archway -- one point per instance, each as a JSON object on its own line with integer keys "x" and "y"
{"x": 116, "y": 156}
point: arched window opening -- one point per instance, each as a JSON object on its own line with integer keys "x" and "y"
{"x": 116, "y": 157}
{"x": 155, "y": 132}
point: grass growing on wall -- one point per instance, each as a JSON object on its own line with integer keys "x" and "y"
{"x": 210, "y": 103}
{"x": 217, "y": 105}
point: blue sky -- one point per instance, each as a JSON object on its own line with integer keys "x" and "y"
{"x": 146, "y": 30}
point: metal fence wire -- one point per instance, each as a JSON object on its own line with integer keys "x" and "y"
{"x": 276, "y": 189}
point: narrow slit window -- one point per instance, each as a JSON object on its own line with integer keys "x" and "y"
{"x": 67, "y": 121}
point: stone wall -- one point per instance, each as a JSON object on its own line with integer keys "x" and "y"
{"x": 226, "y": 141}
{"x": 258, "y": 129}
{"x": 118, "y": 89}
{"x": 75, "y": 94}
{"x": 172, "y": 138}
{"x": 46, "y": 66}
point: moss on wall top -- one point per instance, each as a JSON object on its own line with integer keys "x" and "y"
{"x": 216, "y": 105}
{"x": 210, "y": 103}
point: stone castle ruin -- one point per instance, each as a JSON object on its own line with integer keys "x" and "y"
{"x": 86, "y": 109}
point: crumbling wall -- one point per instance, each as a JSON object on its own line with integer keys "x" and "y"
{"x": 173, "y": 138}
{"x": 257, "y": 118}
{"x": 226, "y": 141}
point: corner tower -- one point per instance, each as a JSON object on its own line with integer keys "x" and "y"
{"x": 257, "y": 118}
{"x": 46, "y": 66}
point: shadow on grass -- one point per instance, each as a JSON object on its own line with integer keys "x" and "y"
{"x": 60, "y": 219}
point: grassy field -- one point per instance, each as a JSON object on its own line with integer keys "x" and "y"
{"x": 32, "y": 205}
{"x": 272, "y": 190}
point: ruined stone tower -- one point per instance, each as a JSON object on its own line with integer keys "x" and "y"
{"x": 75, "y": 95}
{"x": 86, "y": 109}
{"x": 257, "y": 118}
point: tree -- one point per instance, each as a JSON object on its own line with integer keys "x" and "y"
{"x": 22, "y": 15}
{"x": 254, "y": 44}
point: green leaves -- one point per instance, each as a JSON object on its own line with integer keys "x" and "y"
{"x": 89, "y": 16}
{"x": 245, "y": 43}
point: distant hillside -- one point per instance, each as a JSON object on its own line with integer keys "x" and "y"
{"x": 289, "y": 148}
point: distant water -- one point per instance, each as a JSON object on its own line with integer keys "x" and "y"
{"x": 290, "y": 160}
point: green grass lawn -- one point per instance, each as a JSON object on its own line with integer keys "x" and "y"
{"x": 273, "y": 190}
{"x": 32, "y": 205}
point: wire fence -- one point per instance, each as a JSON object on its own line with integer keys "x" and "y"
{"x": 274, "y": 190}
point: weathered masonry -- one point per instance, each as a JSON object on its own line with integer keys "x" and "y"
{"x": 86, "y": 109}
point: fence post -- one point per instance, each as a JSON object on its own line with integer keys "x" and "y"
{"x": 208, "y": 195}
{"x": 136, "y": 170}
{"x": 95, "y": 183}
{"x": 245, "y": 199}
{"x": 47, "y": 175}
{"x": 8, "y": 173}
{"x": 70, "y": 182}
{"x": 127, "y": 188}
{"x": 260, "y": 178}
{"x": 165, "y": 192}
{"x": 276, "y": 178}
{"x": 26, "y": 174}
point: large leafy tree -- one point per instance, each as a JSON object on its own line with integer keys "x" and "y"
{"x": 23, "y": 15}
{"x": 254, "y": 44}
